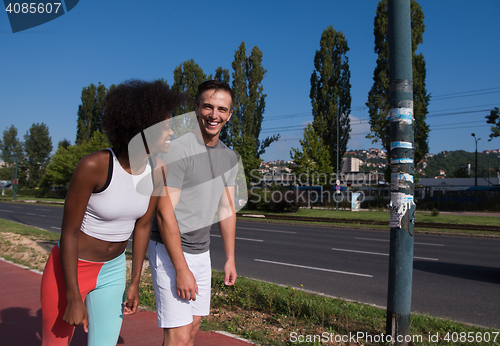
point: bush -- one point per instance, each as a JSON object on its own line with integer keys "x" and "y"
{"x": 435, "y": 212}
{"x": 284, "y": 201}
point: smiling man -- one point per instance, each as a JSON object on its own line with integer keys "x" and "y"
{"x": 200, "y": 184}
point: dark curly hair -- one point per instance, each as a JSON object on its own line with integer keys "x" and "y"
{"x": 135, "y": 105}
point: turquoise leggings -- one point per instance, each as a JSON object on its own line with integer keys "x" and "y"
{"x": 102, "y": 286}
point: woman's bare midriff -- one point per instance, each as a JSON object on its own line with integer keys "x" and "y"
{"x": 95, "y": 250}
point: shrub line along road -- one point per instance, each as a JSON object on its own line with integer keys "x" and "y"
{"x": 454, "y": 277}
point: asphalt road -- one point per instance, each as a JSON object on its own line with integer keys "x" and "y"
{"x": 456, "y": 278}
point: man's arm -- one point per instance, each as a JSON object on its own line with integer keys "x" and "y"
{"x": 227, "y": 227}
{"x": 171, "y": 236}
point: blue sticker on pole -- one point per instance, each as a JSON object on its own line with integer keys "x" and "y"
{"x": 399, "y": 161}
{"x": 27, "y": 15}
{"x": 405, "y": 145}
{"x": 401, "y": 115}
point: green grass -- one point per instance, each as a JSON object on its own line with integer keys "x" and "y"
{"x": 14, "y": 227}
{"x": 305, "y": 313}
{"x": 21, "y": 199}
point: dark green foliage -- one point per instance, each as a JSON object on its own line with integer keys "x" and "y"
{"x": 331, "y": 93}
{"x": 63, "y": 144}
{"x": 91, "y": 111}
{"x": 64, "y": 161}
{"x": 221, "y": 74}
{"x": 37, "y": 146}
{"x": 243, "y": 130}
{"x": 12, "y": 152}
{"x": 494, "y": 118}
{"x": 11, "y": 146}
{"x": 379, "y": 95}
{"x": 313, "y": 160}
{"x": 274, "y": 199}
{"x": 187, "y": 77}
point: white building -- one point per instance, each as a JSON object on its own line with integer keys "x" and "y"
{"x": 350, "y": 164}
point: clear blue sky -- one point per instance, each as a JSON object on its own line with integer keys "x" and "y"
{"x": 44, "y": 69}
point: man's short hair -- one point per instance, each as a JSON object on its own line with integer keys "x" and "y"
{"x": 216, "y": 86}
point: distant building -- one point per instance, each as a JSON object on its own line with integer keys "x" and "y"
{"x": 350, "y": 164}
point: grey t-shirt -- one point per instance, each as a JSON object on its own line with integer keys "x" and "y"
{"x": 201, "y": 173}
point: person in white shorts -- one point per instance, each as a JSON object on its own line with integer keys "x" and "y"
{"x": 200, "y": 182}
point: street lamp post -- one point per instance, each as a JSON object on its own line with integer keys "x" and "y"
{"x": 475, "y": 162}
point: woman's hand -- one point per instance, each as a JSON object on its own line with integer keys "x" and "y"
{"x": 76, "y": 315}
{"x": 130, "y": 306}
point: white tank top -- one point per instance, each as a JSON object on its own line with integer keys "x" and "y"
{"x": 112, "y": 212}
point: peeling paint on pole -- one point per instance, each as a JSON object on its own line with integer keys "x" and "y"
{"x": 401, "y": 181}
{"x": 401, "y": 203}
{"x": 404, "y": 115}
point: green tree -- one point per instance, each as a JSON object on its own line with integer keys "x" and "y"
{"x": 221, "y": 74}
{"x": 379, "y": 95}
{"x": 331, "y": 92}
{"x": 243, "y": 130}
{"x": 65, "y": 159}
{"x": 187, "y": 76}
{"x": 494, "y": 118}
{"x": 37, "y": 145}
{"x": 91, "y": 111}
{"x": 313, "y": 159}
{"x": 11, "y": 146}
{"x": 65, "y": 143}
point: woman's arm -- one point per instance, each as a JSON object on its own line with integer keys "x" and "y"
{"x": 87, "y": 177}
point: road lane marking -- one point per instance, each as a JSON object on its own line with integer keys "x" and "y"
{"x": 238, "y": 238}
{"x": 265, "y": 230}
{"x": 314, "y": 268}
{"x": 43, "y": 209}
{"x": 31, "y": 214}
{"x": 382, "y": 254}
{"x": 58, "y": 228}
{"x": 387, "y": 240}
{"x": 6, "y": 211}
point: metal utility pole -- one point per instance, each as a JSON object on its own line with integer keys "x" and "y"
{"x": 402, "y": 206}
{"x": 475, "y": 162}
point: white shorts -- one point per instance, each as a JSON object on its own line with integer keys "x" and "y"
{"x": 172, "y": 311}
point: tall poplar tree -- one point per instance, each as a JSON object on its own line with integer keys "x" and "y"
{"x": 331, "y": 92}
{"x": 243, "y": 130}
{"x": 91, "y": 111}
{"x": 11, "y": 147}
{"x": 37, "y": 145}
{"x": 187, "y": 76}
{"x": 379, "y": 95}
{"x": 221, "y": 74}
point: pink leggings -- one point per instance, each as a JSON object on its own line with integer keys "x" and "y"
{"x": 102, "y": 286}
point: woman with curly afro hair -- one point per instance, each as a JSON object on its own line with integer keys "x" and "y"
{"x": 85, "y": 276}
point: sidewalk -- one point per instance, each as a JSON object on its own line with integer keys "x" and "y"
{"x": 21, "y": 316}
